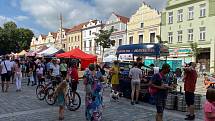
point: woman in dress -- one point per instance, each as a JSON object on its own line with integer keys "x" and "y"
{"x": 115, "y": 76}
{"x": 93, "y": 99}
{"x": 18, "y": 75}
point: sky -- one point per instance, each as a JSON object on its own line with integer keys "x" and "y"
{"x": 42, "y": 16}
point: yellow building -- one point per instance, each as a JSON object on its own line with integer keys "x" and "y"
{"x": 74, "y": 37}
{"x": 144, "y": 26}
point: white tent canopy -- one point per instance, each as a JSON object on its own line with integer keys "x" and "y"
{"x": 110, "y": 58}
{"x": 48, "y": 51}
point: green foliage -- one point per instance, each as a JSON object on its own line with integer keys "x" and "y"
{"x": 14, "y": 39}
{"x": 195, "y": 50}
{"x": 103, "y": 39}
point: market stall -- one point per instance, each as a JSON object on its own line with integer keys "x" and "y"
{"x": 85, "y": 58}
{"x": 139, "y": 50}
{"x": 48, "y": 51}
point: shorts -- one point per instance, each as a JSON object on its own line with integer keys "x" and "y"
{"x": 160, "y": 102}
{"x": 135, "y": 85}
{"x": 189, "y": 98}
{"x": 74, "y": 86}
{"x": 5, "y": 77}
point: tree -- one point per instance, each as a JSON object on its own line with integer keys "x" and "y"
{"x": 14, "y": 39}
{"x": 103, "y": 39}
{"x": 194, "y": 48}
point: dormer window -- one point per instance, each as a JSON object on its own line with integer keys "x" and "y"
{"x": 141, "y": 25}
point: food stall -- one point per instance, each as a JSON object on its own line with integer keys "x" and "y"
{"x": 139, "y": 50}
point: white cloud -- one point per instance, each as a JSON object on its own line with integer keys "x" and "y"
{"x": 4, "y": 19}
{"x": 46, "y": 12}
{"x": 21, "y": 18}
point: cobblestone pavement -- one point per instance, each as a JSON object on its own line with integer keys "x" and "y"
{"x": 24, "y": 106}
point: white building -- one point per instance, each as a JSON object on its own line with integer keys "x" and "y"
{"x": 89, "y": 30}
{"x": 119, "y": 24}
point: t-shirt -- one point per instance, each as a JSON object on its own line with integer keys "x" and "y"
{"x": 209, "y": 108}
{"x": 135, "y": 74}
{"x": 190, "y": 80}
{"x": 74, "y": 73}
{"x": 39, "y": 70}
{"x": 159, "y": 80}
{"x": 63, "y": 67}
{"x": 8, "y": 65}
{"x": 56, "y": 70}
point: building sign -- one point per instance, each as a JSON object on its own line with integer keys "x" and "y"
{"x": 180, "y": 52}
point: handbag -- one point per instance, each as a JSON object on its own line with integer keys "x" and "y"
{"x": 154, "y": 90}
{"x": 8, "y": 72}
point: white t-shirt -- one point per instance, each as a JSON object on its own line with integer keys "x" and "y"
{"x": 39, "y": 70}
{"x": 56, "y": 70}
{"x": 8, "y": 64}
{"x": 156, "y": 70}
{"x": 135, "y": 74}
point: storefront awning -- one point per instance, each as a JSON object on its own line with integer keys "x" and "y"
{"x": 146, "y": 49}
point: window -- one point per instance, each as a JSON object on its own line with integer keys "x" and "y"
{"x": 202, "y": 10}
{"x": 112, "y": 27}
{"x": 131, "y": 40}
{"x": 71, "y": 39}
{"x": 90, "y": 43}
{"x": 180, "y": 15}
{"x": 90, "y": 33}
{"x": 120, "y": 41}
{"x": 170, "y": 37}
{"x": 69, "y": 48}
{"x": 78, "y": 38}
{"x": 152, "y": 37}
{"x": 75, "y": 38}
{"x": 190, "y": 34}
{"x": 140, "y": 38}
{"x": 190, "y": 13}
{"x": 141, "y": 25}
{"x": 170, "y": 17}
{"x": 85, "y": 44}
{"x": 179, "y": 36}
{"x": 64, "y": 46}
{"x": 202, "y": 33}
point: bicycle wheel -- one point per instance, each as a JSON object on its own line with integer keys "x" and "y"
{"x": 50, "y": 96}
{"x": 40, "y": 92}
{"x": 73, "y": 104}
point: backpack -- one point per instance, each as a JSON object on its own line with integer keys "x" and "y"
{"x": 154, "y": 90}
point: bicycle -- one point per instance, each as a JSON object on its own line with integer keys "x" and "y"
{"x": 41, "y": 89}
{"x": 72, "y": 104}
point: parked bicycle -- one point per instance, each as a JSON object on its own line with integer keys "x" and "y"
{"x": 42, "y": 89}
{"x": 74, "y": 99}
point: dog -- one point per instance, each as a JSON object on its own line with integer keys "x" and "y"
{"x": 114, "y": 96}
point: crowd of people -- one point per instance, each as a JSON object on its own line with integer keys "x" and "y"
{"x": 36, "y": 71}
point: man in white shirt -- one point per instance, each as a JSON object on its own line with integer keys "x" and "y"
{"x": 6, "y": 68}
{"x": 136, "y": 75}
{"x": 55, "y": 69}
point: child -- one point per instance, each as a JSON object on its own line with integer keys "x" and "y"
{"x": 40, "y": 74}
{"x": 209, "y": 106}
{"x": 60, "y": 93}
{"x": 31, "y": 77}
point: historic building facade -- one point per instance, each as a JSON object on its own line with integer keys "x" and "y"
{"x": 74, "y": 37}
{"x": 119, "y": 24}
{"x": 61, "y": 40}
{"x": 190, "y": 21}
{"x": 89, "y": 35}
{"x": 144, "y": 26}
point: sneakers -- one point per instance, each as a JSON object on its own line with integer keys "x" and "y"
{"x": 132, "y": 103}
{"x": 189, "y": 117}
